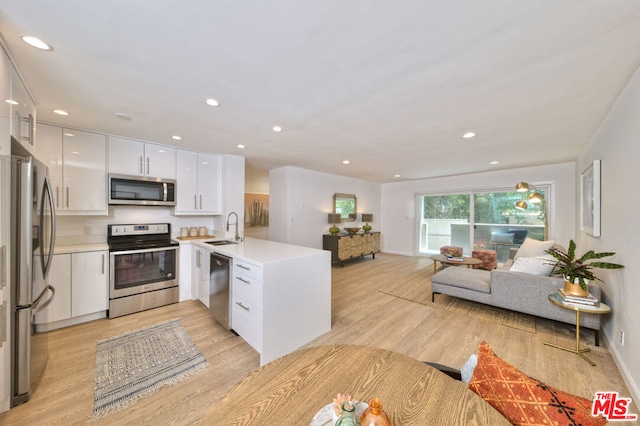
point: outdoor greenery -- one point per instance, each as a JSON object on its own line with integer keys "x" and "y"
{"x": 490, "y": 207}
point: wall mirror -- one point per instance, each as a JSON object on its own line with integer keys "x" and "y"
{"x": 346, "y": 205}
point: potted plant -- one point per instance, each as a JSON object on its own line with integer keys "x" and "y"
{"x": 577, "y": 272}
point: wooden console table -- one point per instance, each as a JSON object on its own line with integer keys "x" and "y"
{"x": 351, "y": 246}
{"x": 292, "y": 389}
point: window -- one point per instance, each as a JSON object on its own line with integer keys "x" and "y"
{"x": 480, "y": 219}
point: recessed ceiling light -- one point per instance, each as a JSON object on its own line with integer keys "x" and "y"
{"x": 69, "y": 134}
{"x": 277, "y": 128}
{"x": 11, "y": 102}
{"x": 346, "y": 162}
{"x": 397, "y": 176}
{"x": 36, "y": 42}
{"x": 494, "y": 162}
{"x": 176, "y": 137}
{"x": 60, "y": 112}
{"x": 468, "y": 135}
{"x": 123, "y": 116}
{"x": 241, "y": 146}
{"x": 212, "y": 102}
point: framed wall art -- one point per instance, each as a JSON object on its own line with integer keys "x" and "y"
{"x": 590, "y": 199}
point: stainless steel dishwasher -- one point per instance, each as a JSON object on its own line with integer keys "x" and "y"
{"x": 219, "y": 278}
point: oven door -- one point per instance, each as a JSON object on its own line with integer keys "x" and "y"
{"x": 139, "y": 271}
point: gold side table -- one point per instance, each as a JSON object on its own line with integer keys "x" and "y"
{"x": 600, "y": 309}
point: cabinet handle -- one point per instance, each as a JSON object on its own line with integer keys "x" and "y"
{"x": 141, "y": 166}
{"x": 195, "y": 202}
{"x": 103, "y": 264}
{"x": 246, "y": 308}
{"x": 3, "y": 266}
{"x": 246, "y": 268}
{"x": 200, "y": 201}
{"x": 57, "y": 196}
{"x": 30, "y": 121}
{"x": 148, "y": 165}
{"x": 243, "y": 280}
{"x": 197, "y": 258}
{"x": 67, "y": 197}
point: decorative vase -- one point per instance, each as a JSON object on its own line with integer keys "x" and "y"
{"x": 374, "y": 415}
{"x": 366, "y": 228}
{"x": 574, "y": 289}
{"x": 334, "y": 230}
{"x": 348, "y": 416}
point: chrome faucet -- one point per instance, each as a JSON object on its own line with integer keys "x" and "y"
{"x": 237, "y": 237}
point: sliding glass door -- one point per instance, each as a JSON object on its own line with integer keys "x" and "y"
{"x": 485, "y": 219}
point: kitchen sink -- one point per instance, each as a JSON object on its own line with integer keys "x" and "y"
{"x": 221, "y": 242}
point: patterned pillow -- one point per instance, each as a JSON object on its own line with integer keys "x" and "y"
{"x": 524, "y": 400}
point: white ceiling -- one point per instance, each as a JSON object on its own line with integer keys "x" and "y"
{"x": 389, "y": 85}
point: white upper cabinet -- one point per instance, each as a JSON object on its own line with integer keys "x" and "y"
{"x": 77, "y": 162}
{"x": 5, "y": 108}
{"x": 198, "y": 183}
{"x": 136, "y": 158}
{"x": 23, "y": 113}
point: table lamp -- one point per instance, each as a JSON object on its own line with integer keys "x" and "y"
{"x": 367, "y": 217}
{"x": 333, "y": 219}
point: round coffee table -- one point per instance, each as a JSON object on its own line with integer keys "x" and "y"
{"x": 468, "y": 261}
{"x": 292, "y": 389}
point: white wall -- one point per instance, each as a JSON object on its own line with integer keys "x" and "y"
{"x": 232, "y": 193}
{"x": 400, "y": 225}
{"x": 256, "y": 184}
{"x": 617, "y": 145}
{"x": 300, "y": 200}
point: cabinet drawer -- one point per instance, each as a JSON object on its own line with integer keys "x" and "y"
{"x": 250, "y": 269}
{"x": 247, "y": 322}
{"x": 248, "y": 288}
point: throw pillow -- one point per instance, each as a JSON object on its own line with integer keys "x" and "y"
{"x": 501, "y": 238}
{"x": 539, "y": 265}
{"x": 533, "y": 248}
{"x": 466, "y": 372}
{"x": 524, "y": 400}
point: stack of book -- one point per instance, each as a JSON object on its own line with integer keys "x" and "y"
{"x": 576, "y": 301}
{"x": 453, "y": 258}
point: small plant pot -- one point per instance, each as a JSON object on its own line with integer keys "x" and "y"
{"x": 574, "y": 289}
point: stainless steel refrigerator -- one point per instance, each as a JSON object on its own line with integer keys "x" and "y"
{"x": 32, "y": 241}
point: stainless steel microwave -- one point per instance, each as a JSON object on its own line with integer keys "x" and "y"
{"x": 141, "y": 190}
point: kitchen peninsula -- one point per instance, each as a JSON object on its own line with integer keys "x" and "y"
{"x": 280, "y": 294}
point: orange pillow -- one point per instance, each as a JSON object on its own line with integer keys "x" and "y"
{"x": 524, "y": 400}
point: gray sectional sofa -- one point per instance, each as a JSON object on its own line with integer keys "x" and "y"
{"x": 516, "y": 291}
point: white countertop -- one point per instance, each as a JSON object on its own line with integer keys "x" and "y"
{"x": 256, "y": 250}
{"x": 79, "y": 247}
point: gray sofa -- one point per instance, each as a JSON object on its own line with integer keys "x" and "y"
{"x": 516, "y": 291}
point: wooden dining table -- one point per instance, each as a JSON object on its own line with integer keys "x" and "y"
{"x": 293, "y": 389}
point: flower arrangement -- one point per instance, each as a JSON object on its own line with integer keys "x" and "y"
{"x": 339, "y": 400}
{"x": 478, "y": 246}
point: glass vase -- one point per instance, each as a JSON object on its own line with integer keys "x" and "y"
{"x": 374, "y": 415}
{"x": 348, "y": 416}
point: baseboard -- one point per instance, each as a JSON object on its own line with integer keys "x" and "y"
{"x": 624, "y": 372}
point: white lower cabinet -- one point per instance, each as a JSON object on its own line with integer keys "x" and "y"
{"x": 247, "y": 322}
{"x": 200, "y": 274}
{"x": 89, "y": 283}
{"x": 81, "y": 289}
{"x": 246, "y": 309}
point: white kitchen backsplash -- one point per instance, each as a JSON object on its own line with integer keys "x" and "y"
{"x": 93, "y": 229}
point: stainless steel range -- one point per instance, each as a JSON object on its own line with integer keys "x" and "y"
{"x": 143, "y": 263}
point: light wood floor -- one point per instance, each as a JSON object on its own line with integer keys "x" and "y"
{"x": 360, "y": 315}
